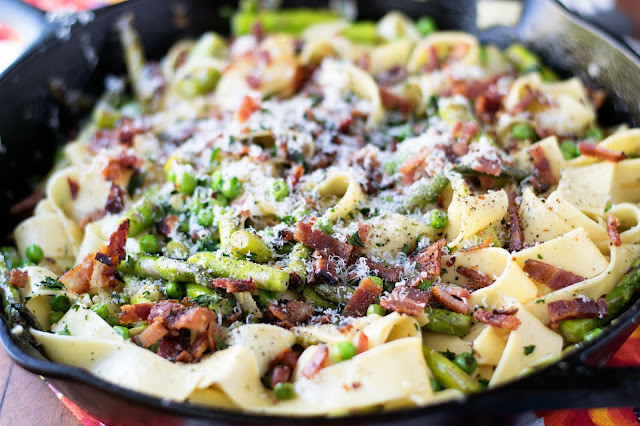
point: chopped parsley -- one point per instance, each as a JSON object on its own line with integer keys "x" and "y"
{"x": 355, "y": 240}
{"x": 540, "y": 301}
{"x": 52, "y": 284}
{"x": 539, "y": 256}
{"x": 205, "y": 299}
{"x": 528, "y": 350}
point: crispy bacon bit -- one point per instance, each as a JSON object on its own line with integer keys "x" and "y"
{"x": 78, "y": 279}
{"x": 232, "y": 285}
{"x": 120, "y": 166}
{"x": 253, "y": 81}
{"x": 487, "y": 105}
{"x": 174, "y": 348}
{"x": 282, "y": 365}
{"x": 465, "y": 132}
{"x": 450, "y": 297}
{"x": 364, "y": 296}
{"x": 486, "y": 243}
{"x": 527, "y": 100}
{"x": 393, "y": 75}
{"x": 410, "y": 169}
{"x": 201, "y": 320}
{"x": 247, "y": 107}
{"x": 133, "y": 313}
{"x": 168, "y": 225}
{"x": 582, "y": 307}
{"x": 406, "y": 300}
{"x": 317, "y": 361}
{"x": 115, "y": 203}
{"x": 363, "y": 230}
{"x": 497, "y": 319}
{"x": 394, "y": 102}
{"x": 151, "y": 334}
{"x": 388, "y": 273}
{"x": 294, "y": 312}
{"x": 279, "y": 374}
{"x": 516, "y": 243}
{"x": 428, "y": 259}
{"x": 324, "y": 270}
{"x": 612, "y": 229}
{"x": 433, "y": 63}
{"x": 549, "y": 275}
{"x": 542, "y": 177}
{"x": 73, "y": 187}
{"x": 600, "y": 152}
{"x": 486, "y": 166}
{"x": 298, "y": 172}
{"x": 18, "y": 278}
{"x": 320, "y": 241}
{"x": 363, "y": 342}
{"x": 477, "y": 279}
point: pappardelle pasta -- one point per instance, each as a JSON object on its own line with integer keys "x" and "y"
{"x": 319, "y": 216}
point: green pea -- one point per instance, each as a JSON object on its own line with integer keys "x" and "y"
{"x": 186, "y": 182}
{"x": 54, "y": 317}
{"x": 426, "y": 25}
{"x": 216, "y": 181}
{"x": 438, "y": 219}
{"x": 376, "y": 309}
{"x": 232, "y": 188}
{"x": 284, "y": 390}
{"x": 466, "y": 361}
{"x": 594, "y": 133}
{"x": 569, "y": 150}
{"x": 205, "y": 217}
{"x": 122, "y": 331}
{"x": 149, "y": 244}
{"x": 174, "y": 290}
{"x": 592, "y": 334}
{"x": 35, "y": 253}
{"x": 60, "y": 303}
{"x": 343, "y": 351}
{"x": 280, "y": 189}
{"x": 523, "y": 131}
{"x": 219, "y": 200}
{"x": 101, "y": 310}
{"x": 424, "y": 285}
{"x": 176, "y": 250}
{"x": 377, "y": 281}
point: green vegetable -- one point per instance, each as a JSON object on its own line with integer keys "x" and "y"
{"x": 280, "y": 190}
{"x": 569, "y": 150}
{"x": 231, "y": 188}
{"x": 343, "y": 351}
{"x": 355, "y": 240}
{"x": 266, "y": 277}
{"x": 209, "y": 45}
{"x": 246, "y": 244}
{"x": 11, "y": 257}
{"x": 195, "y": 290}
{"x": 506, "y": 172}
{"x": 448, "y": 374}
{"x": 335, "y": 293}
{"x": 13, "y": 308}
{"x": 446, "y": 322}
{"x": 524, "y": 59}
{"x": 297, "y": 258}
{"x": 186, "y": 182}
{"x": 174, "y": 290}
{"x": 438, "y": 219}
{"x": 289, "y": 21}
{"x": 64, "y": 332}
{"x": 284, "y": 391}
{"x": 101, "y": 310}
{"x": 216, "y": 181}
{"x": 265, "y": 297}
{"x": 435, "y": 385}
{"x": 425, "y": 193}
{"x": 376, "y": 309}
{"x": 205, "y": 217}
{"x": 105, "y": 116}
{"x": 35, "y": 253}
{"x": 528, "y": 350}
{"x": 376, "y": 280}
{"x": 146, "y": 294}
{"x": 426, "y": 25}
{"x": 165, "y": 268}
{"x": 313, "y": 297}
{"x": 176, "y": 250}
{"x": 60, "y": 303}
{"x": 523, "y": 131}
{"x": 122, "y": 331}
{"x": 594, "y": 133}
{"x": 149, "y": 244}
{"x": 325, "y": 225}
{"x": 593, "y": 334}
{"x": 200, "y": 81}
{"x": 362, "y": 32}
{"x": 55, "y": 316}
{"x": 575, "y": 330}
{"x": 143, "y": 214}
{"x": 466, "y": 361}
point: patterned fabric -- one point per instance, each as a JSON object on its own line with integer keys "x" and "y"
{"x": 70, "y": 5}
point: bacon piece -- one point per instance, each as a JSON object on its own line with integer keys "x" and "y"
{"x": 388, "y": 273}
{"x": 324, "y": 270}
{"x": 487, "y": 105}
{"x": 409, "y": 169}
{"x": 362, "y": 342}
{"x": 465, "y": 131}
{"x": 516, "y": 243}
{"x": 549, "y": 275}
{"x": 78, "y": 279}
{"x": 168, "y": 225}
{"x": 198, "y": 319}
{"x": 232, "y": 285}
{"x": 253, "y": 81}
{"x": 174, "y": 349}
{"x": 280, "y": 374}
{"x": 486, "y": 243}
{"x": 18, "y": 278}
{"x": 448, "y": 296}
{"x": 133, "y": 313}
{"x": 406, "y": 300}
{"x": 247, "y": 107}
{"x": 486, "y": 166}
{"x": 433, "y": 63}
{"x": 364, "y": 296}
{"x": 428, "y": 259}
{"x": 115, "y": 201}
{"x": 499, "y": 320}
{"x": 201, "y": 343}
{"x": 294, "y": 312}
{"x": 477, "y": 279}
{"x": 582, "y": 307}
{"x": 286, "y": 357}
{"x": 525, "y": 102}
{"x": 394, "y": 102}
{"x": 318, "y": 361}
{"x": 119, "y": 166}
{"x": 392, "y": 76}
{"x": 298, "y": 172}
{"x": 600, "y": 152}
{"x": 612, "y": 229}
{"x": 364, "y": 230}
{"x": 151, "y": 334}
{"x": 542, "y": 177}
{"x": 165, "y": 309}
{"x": 320, "y": 241}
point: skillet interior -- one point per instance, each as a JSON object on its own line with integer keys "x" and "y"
{"x": 36, "y": 119}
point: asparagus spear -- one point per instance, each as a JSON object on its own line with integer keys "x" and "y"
{"x": 506, "y": 172}
{"x": 143, "y": 214}
{"x": 164, "y": 267}
{"x": 243, "y": 243}
{"x": 425, "y": 193}
{"x": 446, "y": 322}
{"x": 448, "y": 374}
{"x": 297, "y": 258}
{"x": 575, "y": 330}
{"x": 311, "y": 296}
{"x": 334, "y": 293}
{"x": 289, "y": 21}
{"x": 266, "y": 277}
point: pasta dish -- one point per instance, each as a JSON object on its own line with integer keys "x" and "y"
{"x": 322, "y": 217}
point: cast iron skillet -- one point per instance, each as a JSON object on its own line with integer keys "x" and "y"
{"x": 43, "y": 95}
